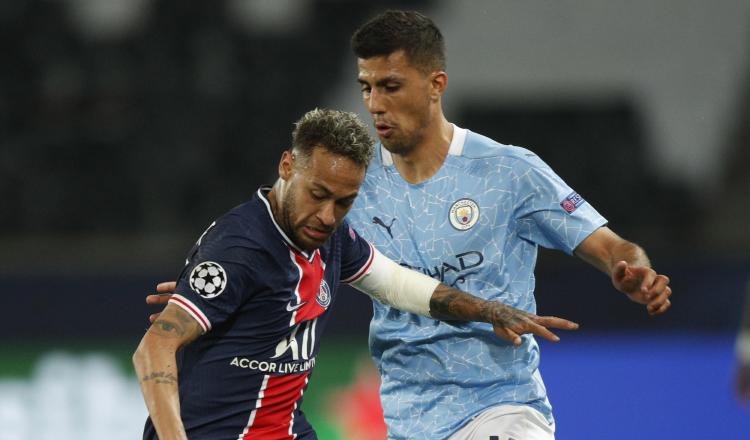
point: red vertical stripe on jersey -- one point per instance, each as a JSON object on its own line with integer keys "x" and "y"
{"x": 309, "y": 285}
{"x": 274, "y": 415}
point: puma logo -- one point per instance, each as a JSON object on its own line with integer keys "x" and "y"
{"x": 379, "y": 222}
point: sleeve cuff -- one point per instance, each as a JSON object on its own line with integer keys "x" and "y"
{"x": 187, "y": 305}
{"x": 363, "y": 270}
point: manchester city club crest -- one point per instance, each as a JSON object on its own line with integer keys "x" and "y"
{"x": 324, "y": 295}
{"x": 208, "y": 279}
{"x": 464, "y": 214}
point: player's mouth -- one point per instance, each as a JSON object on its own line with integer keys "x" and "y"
{"x": 316, "y": 234}
{"x": 383, "y": 130}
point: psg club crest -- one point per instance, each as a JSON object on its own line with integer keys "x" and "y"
{"x": 208, "y": 279}
{"x": 464, "y": 214}
{"x": 324, "y": 295}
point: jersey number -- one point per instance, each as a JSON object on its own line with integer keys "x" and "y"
{"x": 299, "y": 350}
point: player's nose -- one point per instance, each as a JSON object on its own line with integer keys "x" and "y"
{"x": 375, "y": 103}
{"x": 327, "y": 215}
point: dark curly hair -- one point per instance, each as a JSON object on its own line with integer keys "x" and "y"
{"x": 339, "y": 132}
{"x": 411, "y": 31}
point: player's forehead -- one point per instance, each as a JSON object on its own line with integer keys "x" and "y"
{"x": 334, "y": 173}
{"x": 378, "y": 68}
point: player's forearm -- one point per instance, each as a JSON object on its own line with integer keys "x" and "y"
{"x": 449, "y": 304}
{"x": 603, "y": 249}
{"x": 415, "y": 292}
{"x": 156, "y": 369}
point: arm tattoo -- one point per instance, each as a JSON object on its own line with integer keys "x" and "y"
{"x": 452, "y": 304}
{"x": 160, "y": 377}
{"x": 187, "y": 319}
{"x": 170, "y": 329}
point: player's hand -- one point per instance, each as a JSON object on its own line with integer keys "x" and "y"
{"x": 164, "y": 292}
{"x": 643, "y": 285}
{"x": 742, "y": 383}
{"x": 510, "y": 323}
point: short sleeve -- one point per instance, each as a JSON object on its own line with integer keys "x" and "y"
{"x": 218, "y": 275}
{"x": 356, "y": 254}
{"x": 550, "y": 213}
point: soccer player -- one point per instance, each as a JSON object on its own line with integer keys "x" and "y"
{"x": 250, "y": 306}
{"x": 469, "y": 212}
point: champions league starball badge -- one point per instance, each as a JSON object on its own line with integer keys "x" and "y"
{"x": 464, "y": 214}
{"x": 208, "y": 279}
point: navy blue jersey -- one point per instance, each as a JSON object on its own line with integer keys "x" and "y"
{"x": 262, "y": 304}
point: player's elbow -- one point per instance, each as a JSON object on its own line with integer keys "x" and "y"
{"x": 145, "y": 353}
{"x": 140, "y": 357}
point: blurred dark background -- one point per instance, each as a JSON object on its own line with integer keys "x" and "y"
{"x": 127, "y": 126}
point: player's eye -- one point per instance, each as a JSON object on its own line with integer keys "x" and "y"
{"x": 390, "y": 88}
{"x": 345, "y": 203}
{"x": 317, "y": 196}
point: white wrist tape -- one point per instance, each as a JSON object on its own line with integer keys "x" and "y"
{"x": 397, "y": 286}
{"x": 743, "y": 347}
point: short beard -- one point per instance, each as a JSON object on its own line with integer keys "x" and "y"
{"x": 400, "y": 148}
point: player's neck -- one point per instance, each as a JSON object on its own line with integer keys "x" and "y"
{"x": 425, "y": 160}
{"x": 272, "y": 200}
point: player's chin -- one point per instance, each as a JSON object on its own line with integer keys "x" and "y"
{"x": 313, "y": 239}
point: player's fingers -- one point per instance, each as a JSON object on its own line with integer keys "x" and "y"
{"x": 166, "y": 287}
{"x": 658, "y": 302}
{"x": 620, "y": 270}
{"x": 156, "y": 299}
{"x": 648, "y": 277}
{"x": 555, "y": 322}
{"x": 659, "y": 285}
{"x": 542, "y": 331}
{"x": 508, "y": 334}
{"x": 662, "y": 308}
{"x": 153, "y": 317}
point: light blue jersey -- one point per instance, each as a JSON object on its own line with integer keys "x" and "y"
{"x": 475, "y": 225}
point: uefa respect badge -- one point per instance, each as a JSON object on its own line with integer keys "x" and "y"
{"x": 572, "y": 202}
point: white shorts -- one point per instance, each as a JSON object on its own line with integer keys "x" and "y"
{"x": 507, "y": 422}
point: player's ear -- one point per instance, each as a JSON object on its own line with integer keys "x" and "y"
{"x": 438, "y": 84}
{"x": 286, "y": 165}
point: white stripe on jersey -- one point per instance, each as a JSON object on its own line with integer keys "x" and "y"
{"x": 301, "y": 392}
{"x": 257, "y": 405}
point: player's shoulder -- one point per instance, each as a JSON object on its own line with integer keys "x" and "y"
{"x": 246, "y": 226}
{"x": 484, "y": 150}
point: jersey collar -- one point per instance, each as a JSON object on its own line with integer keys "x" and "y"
{"x": 456, "y": 147}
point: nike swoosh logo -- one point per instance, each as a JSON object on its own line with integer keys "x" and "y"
{"x": 291, "y": 308}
